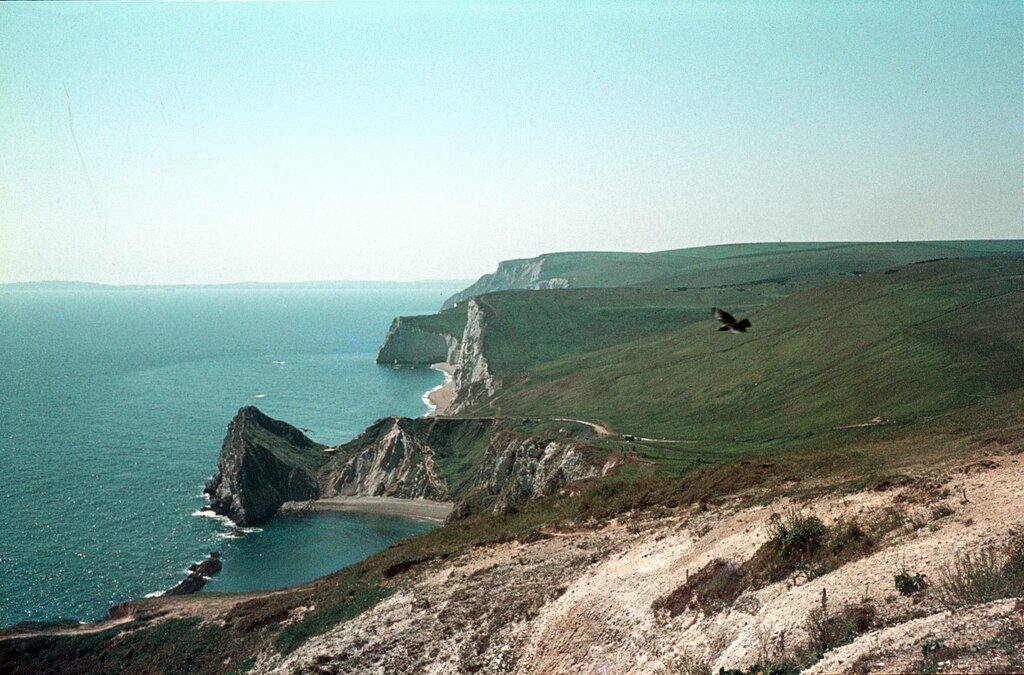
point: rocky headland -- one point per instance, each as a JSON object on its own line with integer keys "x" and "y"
{"x": 265, "y": 463}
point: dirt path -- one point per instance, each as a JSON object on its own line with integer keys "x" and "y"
{"x": 601, "y": 430}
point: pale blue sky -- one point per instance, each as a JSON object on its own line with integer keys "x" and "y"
{"x": 190, "y": 142}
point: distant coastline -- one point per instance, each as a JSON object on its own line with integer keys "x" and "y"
{"x": 240, "y": 286}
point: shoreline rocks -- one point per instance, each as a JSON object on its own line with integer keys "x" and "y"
{"x": 198, "y": 574}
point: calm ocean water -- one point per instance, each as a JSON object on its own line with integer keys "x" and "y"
{"x": 113, "y": 406}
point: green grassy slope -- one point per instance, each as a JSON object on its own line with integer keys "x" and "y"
{"x": 901, "y": 345}
{"x": 448, "y": 322}
{"x": 609, "y": 269}
{"x": 599, "y": 269}
{"x": 528, "y": 328}
{"x": 724, "y": 264}
{"x": 824, "y": 263}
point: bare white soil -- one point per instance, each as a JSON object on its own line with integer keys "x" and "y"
{"x": 581, "y": 600}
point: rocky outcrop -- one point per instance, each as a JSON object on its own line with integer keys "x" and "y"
{"x": 483, "y": 463}
{"x": 517, "y": 468}
{"x": 263, "y": 463}
{"x": 523, "y": 273}
{"x": 198, "y": 574}
{"x": 409, "y": 344}
{"x": 473, "y": 381}
{"x": 392, "y": 458}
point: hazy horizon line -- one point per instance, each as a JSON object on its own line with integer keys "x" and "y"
{"x": 10, "y": 285}
{"x": 70, "y": 285}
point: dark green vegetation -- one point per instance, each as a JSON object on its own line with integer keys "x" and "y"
{"x": 798, "y": 545}
{"x": 908, "y": 583}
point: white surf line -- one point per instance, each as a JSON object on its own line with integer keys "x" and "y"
{"x": 431, "y": 408}
{"x": 427, "y": 402}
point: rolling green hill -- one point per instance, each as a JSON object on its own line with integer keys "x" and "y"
{"x": 902, "y": 344}
{"x": 824, "y": 263}
{"x": 717, "y": 265}
{"x": 628, "y": 296}
{"x": 608, "y": 269}
{"x": 529, "y": 328}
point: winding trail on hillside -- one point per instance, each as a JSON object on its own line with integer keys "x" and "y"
{"x": 600, "y": 429}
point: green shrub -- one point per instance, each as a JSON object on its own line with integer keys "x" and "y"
{"x": 908, "y": 584}
{"x": 796, "y": 538}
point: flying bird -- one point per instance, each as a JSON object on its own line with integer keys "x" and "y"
{"x": 729, "y": 322}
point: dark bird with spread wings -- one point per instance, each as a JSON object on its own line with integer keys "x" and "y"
{"x": 729, "y": 322}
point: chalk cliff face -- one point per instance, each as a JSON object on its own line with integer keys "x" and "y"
{"x": 518, "y": 468}
{"x": 388, "y": 459}
{"x": 526, "y": 274}
{"x": 263, "y": 463}
{"x": 473, "y": 380}
{"x": 408, "y": 344}
{"x": 482, "y": 463}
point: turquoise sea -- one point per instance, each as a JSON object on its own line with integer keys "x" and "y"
{"x": 113, "y": 407}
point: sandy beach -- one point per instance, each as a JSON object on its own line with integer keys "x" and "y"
{"x": 413, "y": 508}
{"x": 441, "y": 397}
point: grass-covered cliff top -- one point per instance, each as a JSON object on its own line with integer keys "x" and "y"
{"x": 448, "y": 322}
{"x": 720, "y": 265}
{"x": 525, "y": 329}
{"x": 621, "y": 297}
{"x": 899, "y": 344}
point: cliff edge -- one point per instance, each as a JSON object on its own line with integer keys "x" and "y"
{"x": 523, "y": 273}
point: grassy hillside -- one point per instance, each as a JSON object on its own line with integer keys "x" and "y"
{"x": 719, "y": 265}
{"x": 762, "y": 263}
{"x": 595, "y": 269}
{"x": 449, "y": 322}
{"x": 901, "y": 344}
{"x": 610, "y": 269}
{"x": 528, "y": 328}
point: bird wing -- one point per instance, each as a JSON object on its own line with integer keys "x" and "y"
{"x": 722, "y": 315}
